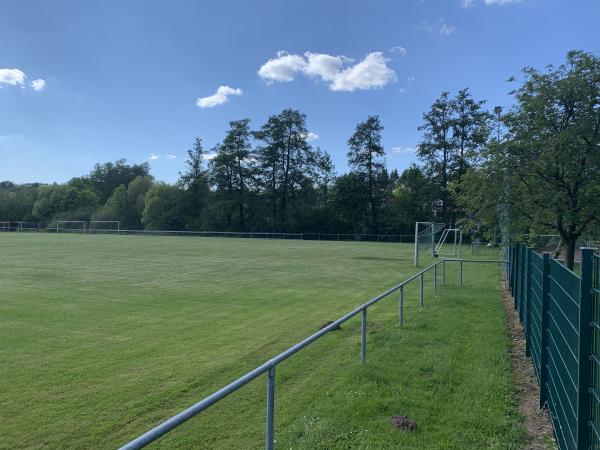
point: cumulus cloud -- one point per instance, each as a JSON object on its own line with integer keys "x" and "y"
{"x": 38, "y": 85}
{"x": 282, "y": 68}
{"x": 439, "y": 26}
{"x": 399, "y": 49}
{"x": 12, "y": 77}
{"x": 399, "y": 150}
{"x": 218, "y": 98}
{"x": 370, "y": 73}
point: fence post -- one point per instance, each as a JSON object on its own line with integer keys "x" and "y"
{"x": 270, "y": 444}
{"x": 544, "y": 332}
{"x": 527, "y": 301}
{"x": 443, "y": 273}
{"x": 585, "y": 348}
{"x": 401, "y": 305}
{"x": 363, "y": 337}
{"x": 515, "y": 287}
{"x": 422, "y": 302}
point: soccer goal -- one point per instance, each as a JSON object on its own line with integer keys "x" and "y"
{"x": 5, "y": 226}
{"x": 104, "y": 226}
{"x": 449, "y": 244}
{"x": 70, "y": 226}
{"x": 426, "y": 236}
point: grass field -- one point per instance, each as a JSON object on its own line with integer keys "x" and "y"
{"x": 103, "y": 337}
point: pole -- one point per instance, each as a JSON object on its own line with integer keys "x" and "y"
{"x": 443, "y": 273}
{"x": 435, "y": 278}
{"x": 363, "y": 338}
{"x": 270, "y": 444}
{"x": 422, "y": 303}
{"x": 461, "y": 273}
{"x": 401, "y": 305}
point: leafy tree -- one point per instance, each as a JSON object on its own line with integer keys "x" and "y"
{"x": 284, "y": 160}
{"x": 193, "y": 181}
{"x": 127, "y": 203}
{"x": 552, "y": 148}
{"x": 64, "y": 202}
{"x": 163, "y": 208}
{"x": 366, "y": 159}
{"x": 104, "y": 178}
{"x": 350, "y": 198}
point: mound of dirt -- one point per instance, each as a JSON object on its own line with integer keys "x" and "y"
{"x": 403, "y": 423}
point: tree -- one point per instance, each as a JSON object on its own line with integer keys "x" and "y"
{"x": 350, "y": 198}
{"x": 126, "y": 204}
{"x": 163, "y": 209}
{"x": 284, "y": 160}
{"x": 231, "y": 169}
{"x": 366, "y": 158}
{"x": 104, "y": 178}
{"x": 552, "y": 148}
{"x": 193, "y": 182}
{"x": 66, "y": 202}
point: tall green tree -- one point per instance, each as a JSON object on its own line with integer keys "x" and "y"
{"x": 284, "y": 159}
{"x": 194, "y": 183}
{"x": 552, "y": 150}
{"x": 365, "y": 157}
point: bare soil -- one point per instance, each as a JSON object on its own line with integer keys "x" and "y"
{"x": 403, "y": 423}
{"x": 536, "y": 421}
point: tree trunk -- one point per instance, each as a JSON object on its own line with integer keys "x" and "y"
{"x": 570, "y": 247}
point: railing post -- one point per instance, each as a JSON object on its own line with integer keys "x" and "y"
{"x": 544, "y": 332}
{"x": 421, "y": 290}
{"x": 527, "y": 328}
{"x": 461, "y": 273}
{"x": 270, "y": 444}
{"x": 435, "y": 278}
{"x": 443, "y": 273}
{"x": 401, "y": 305}
{"x": 585, "y": 348}
{"x": 363, "y": 337}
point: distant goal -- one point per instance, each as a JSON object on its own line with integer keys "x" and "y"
{"x": 104, "y": 226}
{"x": 70, "y": 226}
{"x": 426, "y": 238}
{"x": 449, "y": 243}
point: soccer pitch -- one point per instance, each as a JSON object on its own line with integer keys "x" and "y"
{"x": 103, "y": 337}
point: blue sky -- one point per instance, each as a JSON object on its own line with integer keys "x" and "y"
{"x": 84, "y": 82}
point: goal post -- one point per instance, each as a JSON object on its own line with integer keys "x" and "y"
{"x": 70, "y": 226}
{"x": 104, "y": 226}
{"x": 449, "y": 244}
{"x": 425, "y": 238}
{"x": 5, "y": 226}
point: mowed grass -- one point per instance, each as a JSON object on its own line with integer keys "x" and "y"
{"x": 103, "y": 337}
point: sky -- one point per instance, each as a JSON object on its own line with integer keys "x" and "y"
{"x": 83, "y": 82}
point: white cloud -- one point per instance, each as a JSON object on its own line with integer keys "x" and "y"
{"x": 439, "y": 26}
{"x": 153, "y": 157}
{"x": 219, "y": 97}
{"x": 12, "y": 77}
{"x": 170, "y": 156}
{"x": 210, "y": 156}
{"x": 399, "y": 150}
{"x": 283, "y": 68}
{"x": 312, "y": 136}
{"x": 370, "y": 73}
{"x": 466, "y": 3}
{"x": 399, "y": 49}
{"x": 38, "y": 85}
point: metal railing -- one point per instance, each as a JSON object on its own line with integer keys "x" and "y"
{"x": 561, "y": 321}
{"x": 270, "y": 366}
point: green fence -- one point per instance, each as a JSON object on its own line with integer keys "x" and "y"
{"x": 561, "y": 319}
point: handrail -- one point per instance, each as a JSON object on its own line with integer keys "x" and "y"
{"x": 269, "y": 366}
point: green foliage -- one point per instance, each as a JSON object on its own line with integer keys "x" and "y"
{"x": 127, "y": 204}
{"x": 66, "y": 202}
{"x": 163, "y": 208}
{"x": 105, "y": 178}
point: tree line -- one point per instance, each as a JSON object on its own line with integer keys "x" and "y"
{"x": 529, "y": 168}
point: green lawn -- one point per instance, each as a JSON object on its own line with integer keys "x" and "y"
{"x": 102, "y": 337}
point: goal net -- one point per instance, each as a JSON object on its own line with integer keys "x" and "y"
{"x": 70, "y": 226}
{"x": 104, "y": 226}
{"x": 426, "y": 236}
{"x": 449, "y": 243}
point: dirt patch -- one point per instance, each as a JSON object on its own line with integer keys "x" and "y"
{"x": 403, "y": 423}
{"x": 329, "y": 322}
{"x": 536, "y": 422}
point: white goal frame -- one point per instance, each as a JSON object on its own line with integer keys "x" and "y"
{"x": 5, "y": 226}
{"x": 82, "y": 230}
{"x": 431, "y": 228}
{"x": 455, "y": 242}
{"x": 91, "y": 228}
